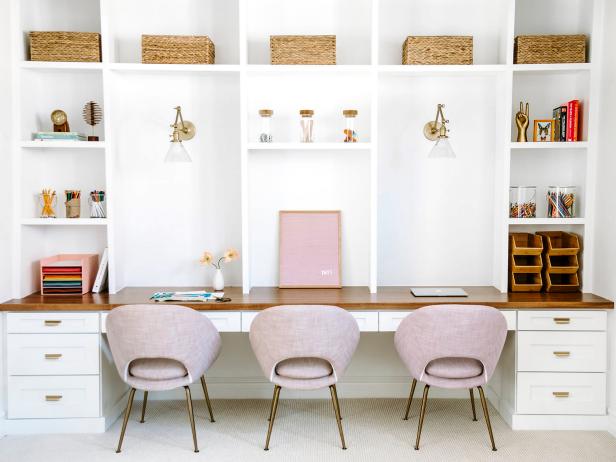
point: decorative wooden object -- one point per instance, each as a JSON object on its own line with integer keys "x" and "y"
{"x": 60, "y": 121}
{"x": 303, "y": 49}
{"x": 442, "y": 49}
{"x": 92, "y": 114}
{"x": 525, "y": 262}
{"x": 65, "y": 46}
{"x": 561, "y": 269}
{"x": 177, "y": 49}
{"x": 549, "y": 49}
{"x": 310, "y": 249}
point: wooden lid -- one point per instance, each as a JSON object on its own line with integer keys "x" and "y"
{"x": 350, "y": 113}
{"x": 306, "y": 112}
{"x": 266, "y": 112}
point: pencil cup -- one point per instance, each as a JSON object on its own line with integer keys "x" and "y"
{"x": 97, "y": 204}
{"x": 73, "y": 204}
{"x": 48, "y": 201}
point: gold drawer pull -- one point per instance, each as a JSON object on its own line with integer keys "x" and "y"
{"x": 562, "y": 354}
{"x": 562, "y": 320}
{"x": 53, "y": 397}
{"x": 53, "y": 355}
{"x": 561, "y": 394}
{"x": 52, "y": 322}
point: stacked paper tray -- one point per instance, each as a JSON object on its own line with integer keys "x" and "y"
{"x": 68, "y": 274}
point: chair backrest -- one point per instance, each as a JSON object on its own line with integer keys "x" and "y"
{"x": 455, "y": 331}
{"x": 162, "y": 331}
{"x": 304, "y": 331}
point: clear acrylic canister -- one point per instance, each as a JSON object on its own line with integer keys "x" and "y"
{"x": 523, "y": 202}
{"x": 561, "y": 201}
{"x": 350, "y": 135}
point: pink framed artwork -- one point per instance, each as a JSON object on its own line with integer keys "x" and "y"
{"x": 309, "y": 249}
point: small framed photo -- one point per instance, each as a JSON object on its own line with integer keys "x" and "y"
{"x": 310, "y": 249}
{"x": 544, "y": 130}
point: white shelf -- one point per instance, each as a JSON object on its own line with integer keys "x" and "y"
{"x": 321, "y": 68}
{"x": 309, "y": 146}
{"x": 445, "y": 70}
{"x": 549, "y": 145}
{"x": 57, "y": 65}
{"x": 546, "y": 221}
{"x": 159, "y": 68}
{"x": 553, "y": 68}
{"x": 64, "y": 222}
{"x": 62, "y": 145}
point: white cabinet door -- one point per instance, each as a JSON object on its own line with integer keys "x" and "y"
{"x": 52, "y": 323}
{"x": 53, "y": 397}
{"x": 53, "y": 354}
{"x": 561, "y": 393}
{"x": 562, "y": 320}
{"x": 562, "y": 351}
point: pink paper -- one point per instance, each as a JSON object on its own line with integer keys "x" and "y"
{"x": 309, "y": 249}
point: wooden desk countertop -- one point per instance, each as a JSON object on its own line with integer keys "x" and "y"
{"x": 350, "y": 298}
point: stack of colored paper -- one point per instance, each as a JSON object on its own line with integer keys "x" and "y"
{"x": 62, "y": 277}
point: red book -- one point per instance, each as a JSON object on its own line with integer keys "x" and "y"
{"x": 573, "y": 122}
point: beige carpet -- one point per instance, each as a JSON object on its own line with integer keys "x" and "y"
{"x": 305, "y": 430}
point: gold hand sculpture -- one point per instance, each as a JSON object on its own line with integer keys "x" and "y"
{"x": 521, "y": 120}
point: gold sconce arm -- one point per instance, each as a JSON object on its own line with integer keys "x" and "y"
{"x": 182, "y": 129}
{"x": 435, "y": 129}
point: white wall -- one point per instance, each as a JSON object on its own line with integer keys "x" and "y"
{"x": 605, "y": 212}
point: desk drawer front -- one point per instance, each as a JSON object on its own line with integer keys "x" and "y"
{"x": 390, "y": 320}
{"x": 53, "y": 354}
{"x": 562, "y": 351}
{"x": 52, "y": 323}
{"x": 225, "y": 321}
{"x": 562, "y": 320}
{"x": 561, "y": 393}
{"x": 247, "y": 318}
{"x": 367, "y": 321}
{"x": 53, "y": 397}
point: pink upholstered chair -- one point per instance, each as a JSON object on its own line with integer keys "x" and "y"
{"x": 451, "y": 346}
{"x": 162, "y": 347}
{"x": 304, "y": 347}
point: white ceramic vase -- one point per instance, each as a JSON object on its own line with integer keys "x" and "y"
{"x": 218, "y": 281}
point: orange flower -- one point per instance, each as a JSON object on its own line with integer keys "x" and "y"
{"x": 230, "y": 255}
{"x": 206, "y": 258}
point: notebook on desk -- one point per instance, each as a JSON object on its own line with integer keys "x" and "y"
{"x": 438, "y": 292}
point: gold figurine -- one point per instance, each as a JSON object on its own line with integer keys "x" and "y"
{"x": 521, "y": 120}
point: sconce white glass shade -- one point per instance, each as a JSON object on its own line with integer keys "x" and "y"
{"x": 442, "y": 149}
{"x": 177, "y": 153}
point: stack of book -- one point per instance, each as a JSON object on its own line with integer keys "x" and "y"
{"x": 62, "y": 277}
{"x": 59, "y": 136}
{"x": 567, "y": 121}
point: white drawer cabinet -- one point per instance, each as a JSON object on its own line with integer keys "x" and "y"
{"x": 225, "y": 321}
{"x": 53, "y": 354}
{"x": 562, "y": 393}
{"x": 48, "y": 323}
{"x": 53, "y": 397}
{"x": 562, "y": 351}
{"x": 562, "y": 320}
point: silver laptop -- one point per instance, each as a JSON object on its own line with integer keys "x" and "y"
{"x": 438, "y": 292}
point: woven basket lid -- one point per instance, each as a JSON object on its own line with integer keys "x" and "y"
{"x": 306, "y": 112}
{"x": 350, "y": 113}
{"x": 266, "y": 112}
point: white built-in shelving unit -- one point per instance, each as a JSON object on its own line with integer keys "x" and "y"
{"x": 407, "y": 220}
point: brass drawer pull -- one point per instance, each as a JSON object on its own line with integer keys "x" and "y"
{"x": 52, "y": 322}
{"x": 562, "y": 320}
{"x": 561, "y": 394}
{"x": 562, "y": 354}
{"x": 53, "y": 397}
{"x": 53, "y": 355}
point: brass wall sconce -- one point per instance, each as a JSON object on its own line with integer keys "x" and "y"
{"x": 437, "y": 131}
{"x": 183, "y": 130}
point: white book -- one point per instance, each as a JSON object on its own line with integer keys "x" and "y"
{"x": 101, "y": 275}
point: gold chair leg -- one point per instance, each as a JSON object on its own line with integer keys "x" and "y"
{"x": 207, "y": 398}
{"x": 422, "y": 413}
{"x": 272, "y": 415}
{"x": 334, "y": 393}
{"x": 486, "y": 414}
{"x": 129, "y": 406}
{"x": 408, "y": 405}
{"x": 145, "y": 403}
{"x": 272, "y": 405}
{"x": 473, "y": 404}
{"x": 191, "y": 417}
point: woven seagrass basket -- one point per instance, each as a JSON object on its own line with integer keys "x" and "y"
{"x": 443, "y": 49}
{"x": 303, "y": 49}
{"x": 65, "y": 46}
{"x": 177, "y": 49}
{"x": 549, "y": 49}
